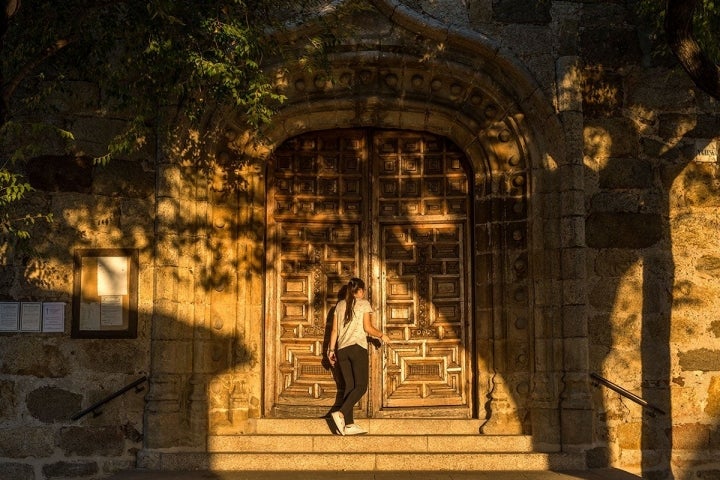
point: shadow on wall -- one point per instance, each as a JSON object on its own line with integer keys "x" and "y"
{"x": 651, "y": 213}
{"x": 631, "y": 248}
{"x": 636, "y": 242}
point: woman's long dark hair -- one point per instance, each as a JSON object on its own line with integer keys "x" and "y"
{"x": 353, "y": 286}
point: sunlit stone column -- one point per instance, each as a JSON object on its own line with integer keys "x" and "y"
{"x": 576, "y": 414}
{"x": 171, "y": 344}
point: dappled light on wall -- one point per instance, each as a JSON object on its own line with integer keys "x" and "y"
{"x": 598, "y": 145}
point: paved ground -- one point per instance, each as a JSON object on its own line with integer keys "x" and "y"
{"x": 600, "y": 474}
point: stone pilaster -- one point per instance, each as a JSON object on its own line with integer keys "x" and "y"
{"x": 166, "y": 423}
{"x": 576, "y": 414}
{"x": 504, "y": 254}
{"x": 251, "y": 287}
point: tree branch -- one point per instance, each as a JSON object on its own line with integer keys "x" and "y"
{"x": 52, "y": 50}
{"x": 679, "y": 29}
{"x": 13, "y": 84}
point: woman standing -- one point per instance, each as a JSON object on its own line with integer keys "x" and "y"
{"x": 348, "y": 347}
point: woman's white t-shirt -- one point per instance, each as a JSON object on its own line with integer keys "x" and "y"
{"x": 353, "y": 333}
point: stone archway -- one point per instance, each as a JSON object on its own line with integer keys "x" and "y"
{"x": 483, "y": 102}
{"x": 473, "y": 111}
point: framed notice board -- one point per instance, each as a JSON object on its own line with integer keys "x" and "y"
{"x": 105, "y": 293}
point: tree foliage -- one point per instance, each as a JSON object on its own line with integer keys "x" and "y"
{"x": 12, "y": 190}
{"x": 705, "y": 23}
{"x": 143, "y": 56}
{"x": 689, "y": 30}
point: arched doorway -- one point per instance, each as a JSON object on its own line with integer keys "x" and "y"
{"x": 524, "y": 188}
{"x": 392, "y": 207}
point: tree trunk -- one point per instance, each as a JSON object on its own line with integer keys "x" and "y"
{"x": 679, "y": 30}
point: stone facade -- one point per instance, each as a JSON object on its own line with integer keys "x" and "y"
{"x": 596, "y": 192}
{"x": 46, "y": 378}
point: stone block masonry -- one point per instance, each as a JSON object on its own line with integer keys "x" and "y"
{"x": 47, "y": 378}
{"x": 595, "y": 192}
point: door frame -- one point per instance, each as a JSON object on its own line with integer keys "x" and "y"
{"x": 369, "y": 264}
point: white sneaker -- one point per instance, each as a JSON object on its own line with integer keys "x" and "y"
{"x": 339, "y": 421}
{"x": 354, "y": 429}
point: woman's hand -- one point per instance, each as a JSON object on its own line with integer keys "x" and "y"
{"x": 384, "y": 338}
{"x": 331, "y": 357}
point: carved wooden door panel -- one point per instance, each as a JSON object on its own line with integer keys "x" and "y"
{"x": 316, "y": 213}
{"x": 392, "y": 208}
{"x": 422, "y": 209}
{"x": 424, "y": 314}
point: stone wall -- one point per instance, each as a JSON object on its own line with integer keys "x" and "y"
{"x": 635, "y": 249}
{"x": 651, "y": 184}
{"x": 46, "y": 378}
{"x": 651, "y": 195}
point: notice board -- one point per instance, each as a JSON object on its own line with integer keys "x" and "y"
{"x": 105, "y": 293}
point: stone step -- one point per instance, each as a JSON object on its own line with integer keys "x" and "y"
{"x": 599, "y": 474}
{"x": 370, "y": 443}
{"x": 391, "y": 445}
{"x": 320, "y": 426}
{"x": 370, "y": 461}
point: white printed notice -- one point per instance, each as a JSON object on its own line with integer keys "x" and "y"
{"x": 9, "y": 315}
{"x": 112, "y": 276}
{"x": 90, "y": 316}
{"x": 30, "y": 316}
{"x": 111, "y": 311}
{"x": 53, "y": 317}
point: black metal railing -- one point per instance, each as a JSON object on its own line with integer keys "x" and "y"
{"x": 95, "y": 408}
{"x": 598, "y": 380}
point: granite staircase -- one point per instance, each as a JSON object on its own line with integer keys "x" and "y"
{"x": 390, "y": 445}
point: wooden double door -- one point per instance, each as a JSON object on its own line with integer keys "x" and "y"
{"x": 393, "y": 208}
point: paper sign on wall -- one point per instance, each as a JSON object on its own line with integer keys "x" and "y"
{"x": 9, "y": 315}
{"x": 112, "y": 276}
{"x": 105, "y": 293}
{"x": 111, "y": 313}
{"x": 53, "y": 317}
{"x": 30, "y": 316}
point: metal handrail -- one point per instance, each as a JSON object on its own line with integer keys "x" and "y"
{"x": 94, "y": 408}
{"x": 625, "y": 393}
